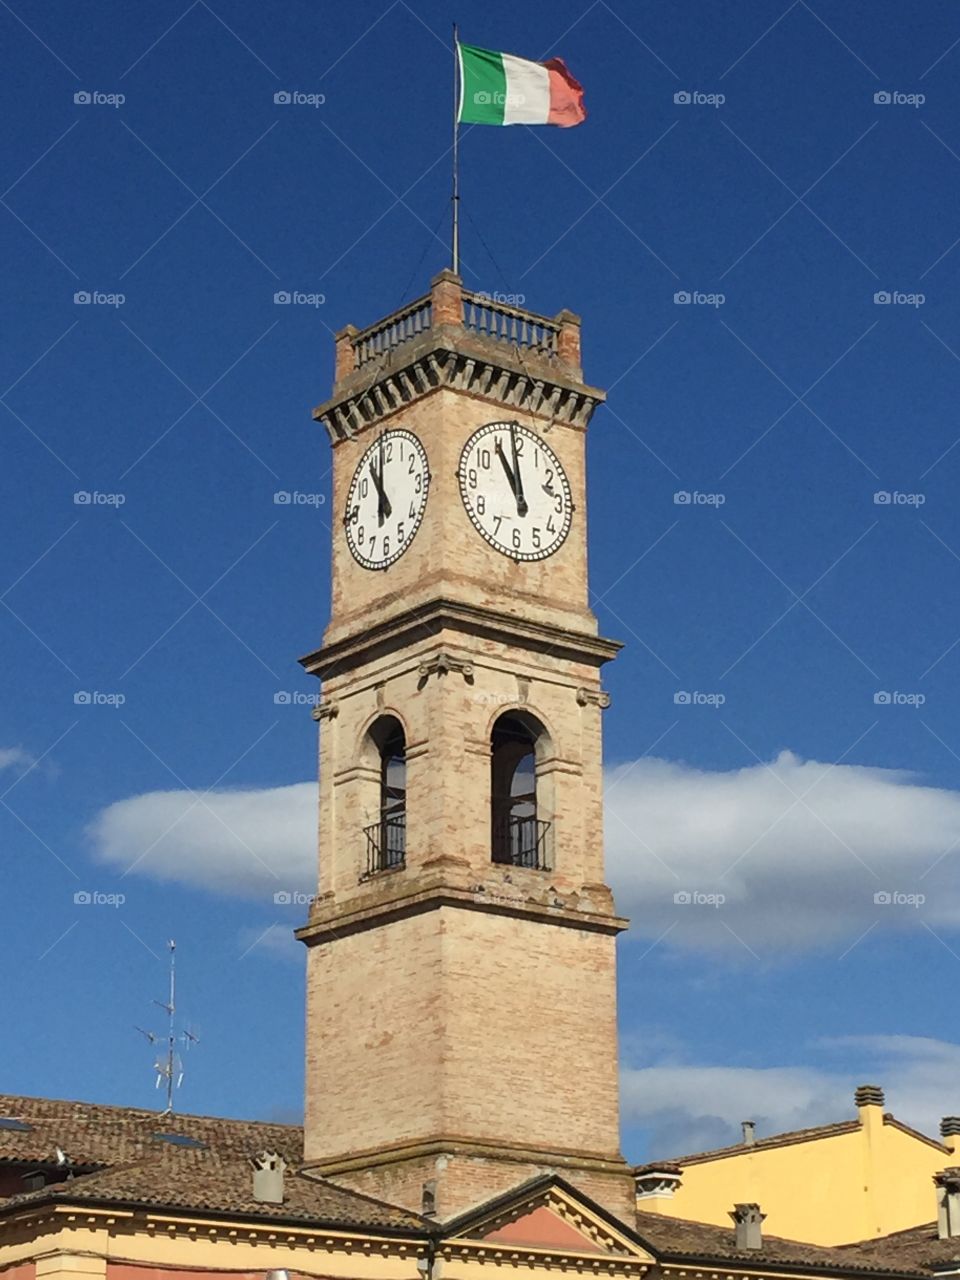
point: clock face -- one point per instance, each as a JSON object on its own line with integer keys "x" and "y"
{"x": 515, "y": 491}
{"x": 387, "y": 497}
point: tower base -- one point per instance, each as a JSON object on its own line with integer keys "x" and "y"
{"x": 444, "y": 1178}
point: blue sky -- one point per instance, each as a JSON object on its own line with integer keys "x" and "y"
{"x": 753, "y": 767}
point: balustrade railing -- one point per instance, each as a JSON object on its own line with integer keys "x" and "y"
{"x": 511, "y": 325}
{"x": 481, "y": 314}
{"x": 387, "y": 334}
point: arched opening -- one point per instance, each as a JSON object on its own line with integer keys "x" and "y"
{"x": 387, "y": 837}
{"x": 517, "y": 831}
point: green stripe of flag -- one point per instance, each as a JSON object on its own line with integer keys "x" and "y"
{"x": 483, "y": 86}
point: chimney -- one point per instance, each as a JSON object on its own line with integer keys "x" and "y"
{"x": 948, "y": 1203}
{"x": 747, "y": 1220}
{"x": 950, "y": 1132}
{"x": 868, "y": 1095}
{"x": 657, "y": 1181}
{"x": 749, "y": 1129}
{"x": 869, "y": 1102}
{"x": 268, "y": 1170}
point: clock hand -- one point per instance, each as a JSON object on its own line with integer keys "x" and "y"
{"x": 522, "y": 507}
{"x": 383, "y": 502}
{"x": 506, "y": 467}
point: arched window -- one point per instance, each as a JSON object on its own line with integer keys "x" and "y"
{"x": 387, "y": 837}
{"x": 517, "y": 831}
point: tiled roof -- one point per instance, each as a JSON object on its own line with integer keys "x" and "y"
{"x": 119, "y": 1160}
{"x": 680, "y": 1239}
{"x": 787, "y": 1139}
{"x": 205, "y": 1182}
{"x": 774, "y": 1140}
{"x": 918, "y": 1246}
{"x": 207, "y": 1168}
{"x": 90, "y": 1133}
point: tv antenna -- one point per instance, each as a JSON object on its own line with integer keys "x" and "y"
{"x": 168, "y": 1064}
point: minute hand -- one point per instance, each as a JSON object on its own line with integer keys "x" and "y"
{"x": 522, "y": 507}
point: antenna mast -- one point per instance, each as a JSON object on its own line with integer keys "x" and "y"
{"x": 168, "y": 1065}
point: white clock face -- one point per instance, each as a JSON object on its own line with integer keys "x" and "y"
{"x": 515, "y": 491}
{"x": 387, "y": 497}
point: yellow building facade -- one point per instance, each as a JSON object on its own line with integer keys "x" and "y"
{"x": 832, "y": 1185}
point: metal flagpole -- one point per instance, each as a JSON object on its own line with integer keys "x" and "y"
{"x": 455, "y": 198}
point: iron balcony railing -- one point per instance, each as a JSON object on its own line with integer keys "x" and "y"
{"x": 386, "y": 844}
{"x": 521, "y": 842}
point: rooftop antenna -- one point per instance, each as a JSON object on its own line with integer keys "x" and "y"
{"x": 168, "y": 1064}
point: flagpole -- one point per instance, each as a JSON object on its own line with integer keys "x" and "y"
{"x": 455, "y": 197}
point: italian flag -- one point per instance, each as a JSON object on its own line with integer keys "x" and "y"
{"x": 497, "y": 88}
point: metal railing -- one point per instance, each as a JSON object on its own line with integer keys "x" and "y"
{"x": 521, "y": 842}
{"x": 386, "y": 844}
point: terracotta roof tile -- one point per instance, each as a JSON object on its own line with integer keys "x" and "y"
{"x": 918, "y": 1246}
{"x": 202, "y": 1181}
{"x": 92, "y": 1134}
{"x": 683, "y": 1240}
{"x": 774, "y": 1140}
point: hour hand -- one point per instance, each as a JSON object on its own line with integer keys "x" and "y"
{"x": 383, "y": 502}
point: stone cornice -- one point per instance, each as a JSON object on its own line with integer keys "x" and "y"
{"x": 456, "y": 358}
{"x": 453, "y": 1144}
{"x": 425, "y": 621}
{"x": 329, "y": 922}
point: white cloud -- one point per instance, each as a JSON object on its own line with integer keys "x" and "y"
{"x": 688, "y": 1107}
{"x": 251, "y": 843}
{"x": 15, "y": 758}
{"x": 796, "y": 850}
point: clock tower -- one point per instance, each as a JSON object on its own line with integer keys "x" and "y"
{"x": 461, "y": 1006}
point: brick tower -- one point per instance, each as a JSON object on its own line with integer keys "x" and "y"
{"x": 461, "y": 1009}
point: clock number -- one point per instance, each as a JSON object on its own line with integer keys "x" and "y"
{"x": 472, "y": 478}
{"x": 413, "y": 465}
{"x": 535, "y": 534}
{"x": 484, "y": 458}
{"x": 517, "y": 541}
{"x": 481, "y": 505}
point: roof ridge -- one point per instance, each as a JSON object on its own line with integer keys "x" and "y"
{"x": 771, "y": 1140}
{"x": 146, "y": 1112}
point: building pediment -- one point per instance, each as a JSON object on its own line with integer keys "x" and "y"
{"x": 549, "y": 1217}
